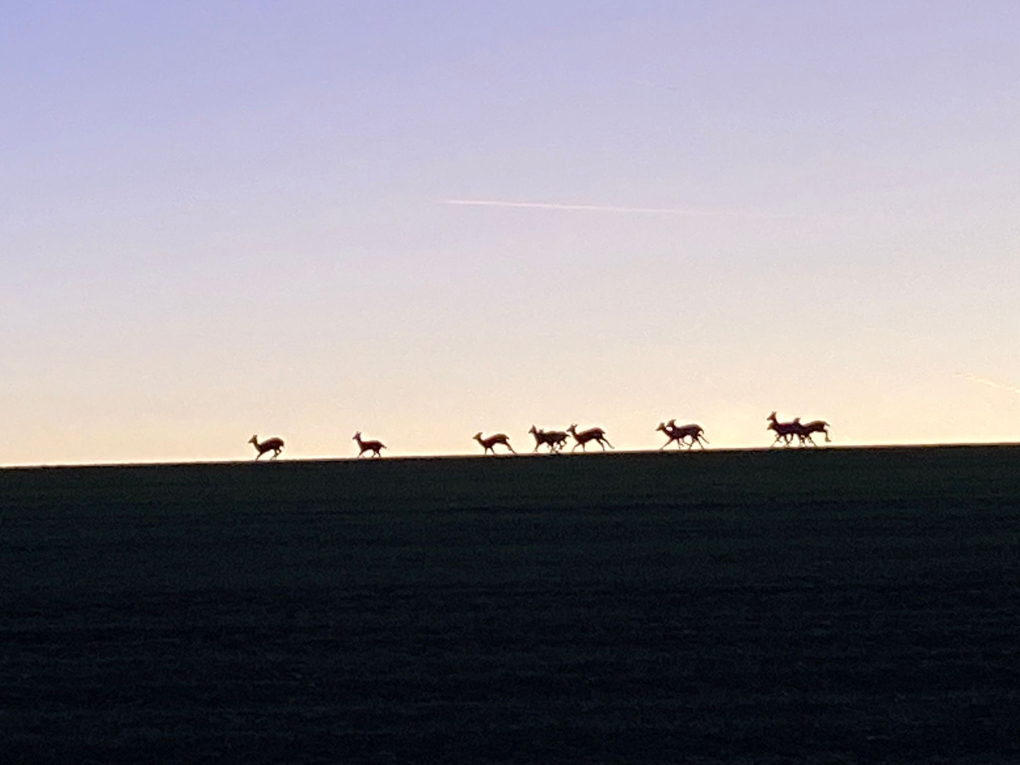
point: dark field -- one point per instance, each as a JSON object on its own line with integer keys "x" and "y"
{"x": 811, "y": 606}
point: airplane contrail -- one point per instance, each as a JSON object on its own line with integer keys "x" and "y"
{"x": 607, "y": 208}
{"x": 990, "y": 383}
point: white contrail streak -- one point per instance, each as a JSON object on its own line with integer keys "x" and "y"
{"x": 990, "y": 383}
{"x": 604, "y": 208}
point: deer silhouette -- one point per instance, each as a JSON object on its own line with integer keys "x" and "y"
{"x": 491, "y": 441}
{"x": 554, "y": 439}
{"x": 785, "y": 431}
{"x": 679, "y": 433}
{"x": 368, "y": 446}
{"x": 592, "y": 434}
{"x": 670, "y": 432}
{"x": 274, "y": 445}
{"x": 805, "y": 429}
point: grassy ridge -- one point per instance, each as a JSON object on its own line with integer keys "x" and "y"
{"x": 849, "y": 605}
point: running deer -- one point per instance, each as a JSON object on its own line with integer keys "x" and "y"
{"x": 554, "y": 439}
{"x": 805, "y": 429}
{"x": 785, "y": 431}
{"x": 678, "y": 433}
{"x": 592, "y": 434}
{"x": 274, "y": 445}
{"x": 491, "y": 441}
{"x": 369, "y": 446}
{"x": 671, "y": 434}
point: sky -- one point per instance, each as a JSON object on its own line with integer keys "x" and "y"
{"x": 220, "y": 219}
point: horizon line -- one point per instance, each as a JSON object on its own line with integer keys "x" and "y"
{"x": 501, "y": 457}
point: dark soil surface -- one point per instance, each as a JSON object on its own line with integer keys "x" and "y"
{"x": 815, "y": 606}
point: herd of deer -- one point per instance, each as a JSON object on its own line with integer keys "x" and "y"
{"x": 556, "y": 440}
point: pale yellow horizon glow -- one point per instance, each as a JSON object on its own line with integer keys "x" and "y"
{"x": 729, "y": 425}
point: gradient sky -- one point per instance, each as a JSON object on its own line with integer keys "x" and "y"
{"x": 226, "y": 218}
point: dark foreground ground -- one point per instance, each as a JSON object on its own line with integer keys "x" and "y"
{"x": 819, "y": 606}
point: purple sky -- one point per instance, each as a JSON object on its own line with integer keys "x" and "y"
{"x": 220, "y": 219}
